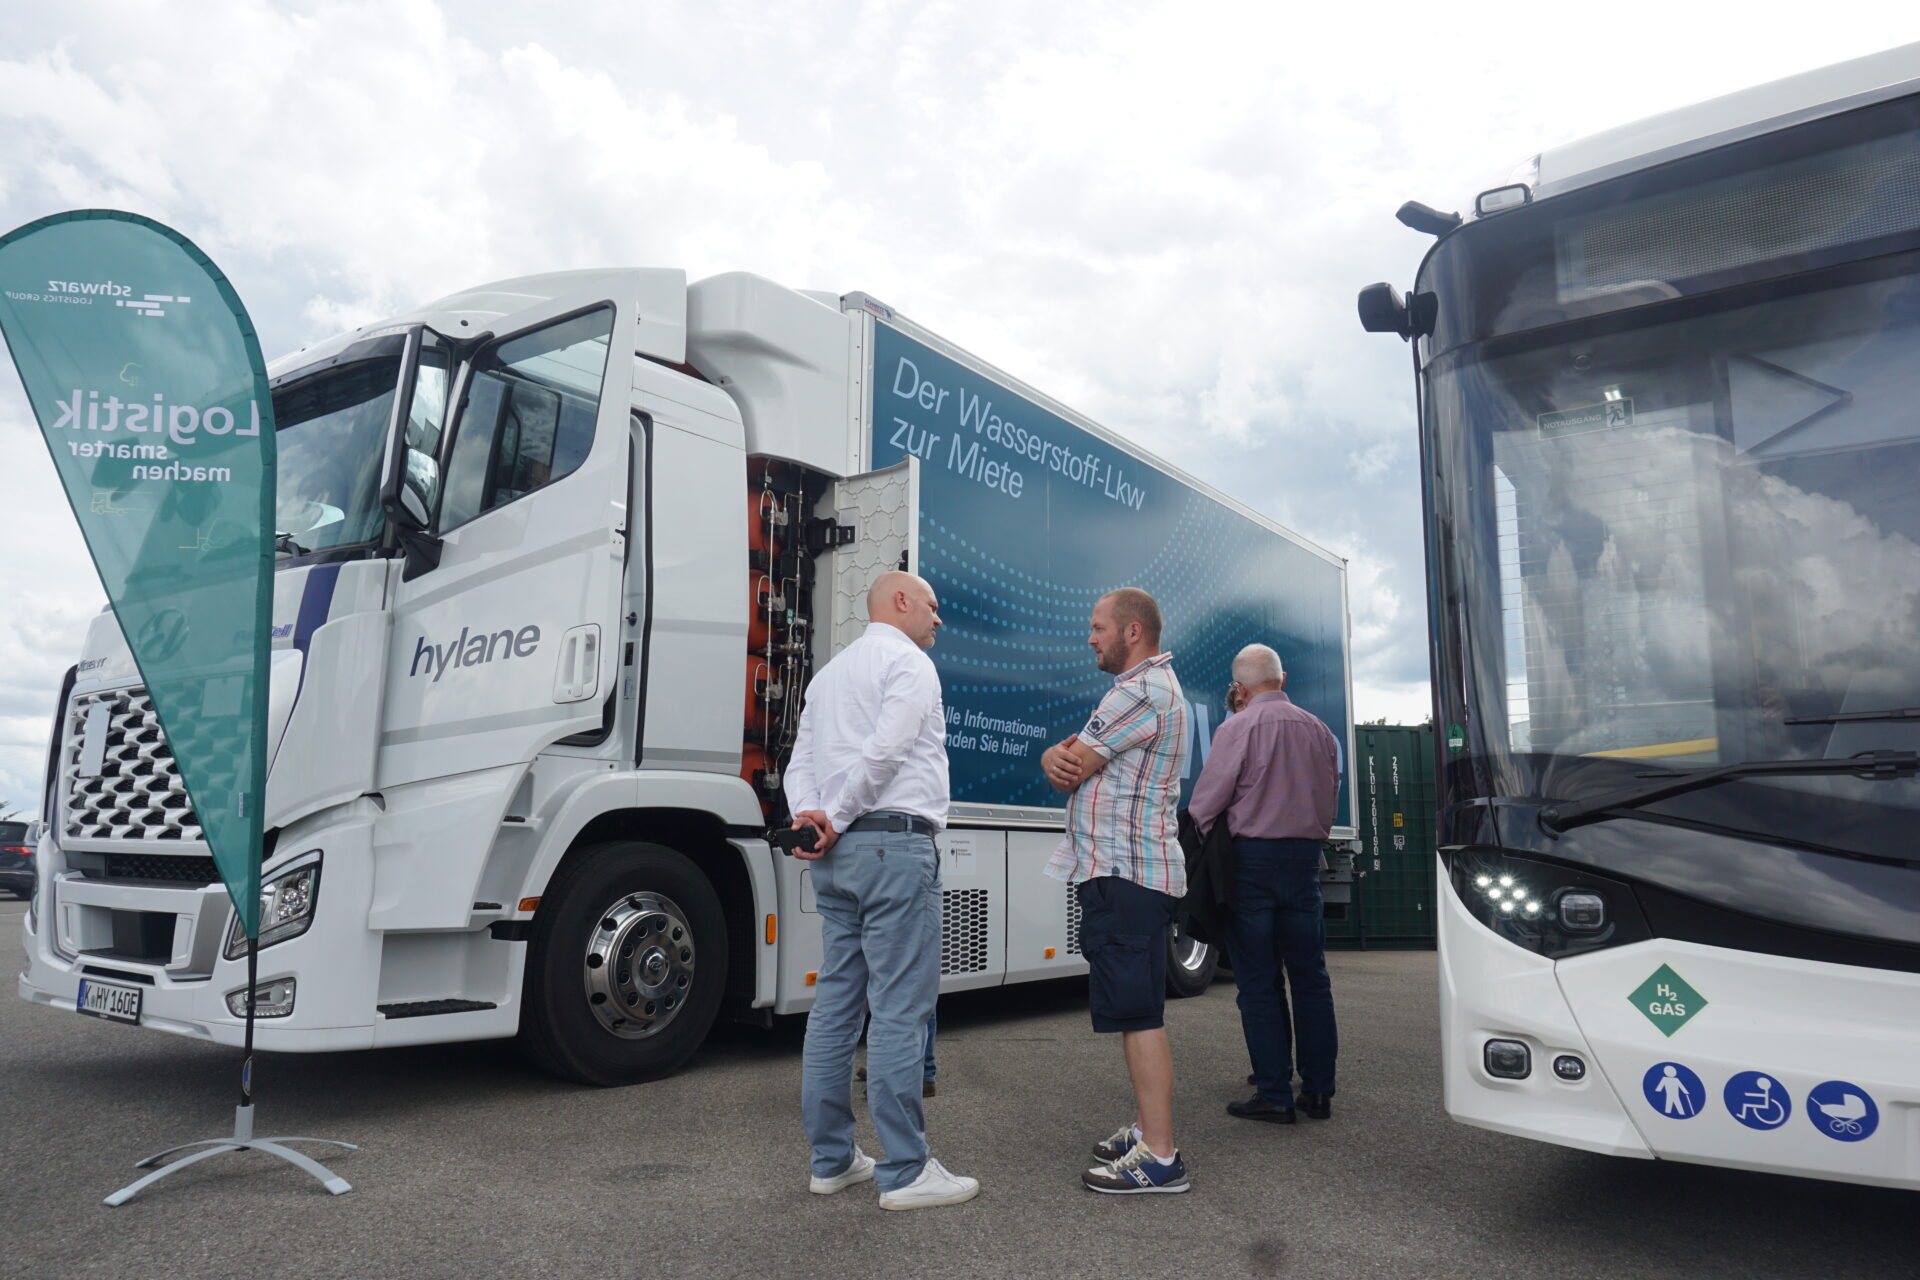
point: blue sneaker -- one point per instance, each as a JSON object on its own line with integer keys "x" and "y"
{"x": 1118, "y": 1145}
{"x": 1137, "y": 1173}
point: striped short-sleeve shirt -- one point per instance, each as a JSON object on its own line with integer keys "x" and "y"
{"x": 1123, "y": 820}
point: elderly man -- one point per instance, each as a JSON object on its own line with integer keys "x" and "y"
{"x": 869, "y": 776}
{"x": 1122, "y": 855}
{"x": 1273, "y": 774}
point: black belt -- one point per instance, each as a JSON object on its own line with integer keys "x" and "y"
{"x": 894, "y": 822}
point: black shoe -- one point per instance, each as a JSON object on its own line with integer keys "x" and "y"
{"x": 1319, "y": 1106}
{"x": 1258, "y": 1108}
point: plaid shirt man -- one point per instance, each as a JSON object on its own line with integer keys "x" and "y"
{"x": 1122, "y": 821}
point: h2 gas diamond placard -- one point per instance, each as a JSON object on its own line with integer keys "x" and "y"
{"x": 1666, "y": 1000}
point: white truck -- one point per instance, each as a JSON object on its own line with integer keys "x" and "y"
{"x": 556, "y": 558}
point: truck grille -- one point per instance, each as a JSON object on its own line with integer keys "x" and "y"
{"x": 138, "y": 794}
{"x": 141, "y": 866}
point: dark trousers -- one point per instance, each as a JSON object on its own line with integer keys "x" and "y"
{"x": 1277, "y": 925}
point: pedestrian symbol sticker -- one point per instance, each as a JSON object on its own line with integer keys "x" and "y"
{"x": 1673, "y": 1090}
{"x": 1758, "y": 1101}
{"x": 1666, "y": 1000}
{"x": 1842, "y": 1111}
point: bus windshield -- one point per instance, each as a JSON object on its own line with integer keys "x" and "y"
{"x": 1687, "y": 541}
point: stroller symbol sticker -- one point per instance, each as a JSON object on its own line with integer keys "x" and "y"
{"x": 1758, "y": 1101}
{"x": 1842, "y": 1111}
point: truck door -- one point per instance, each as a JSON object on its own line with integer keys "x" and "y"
{"x": 509, "y": 643}
{"x": 879, "y": 512}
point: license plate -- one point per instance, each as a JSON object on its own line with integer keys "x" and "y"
{"x": 109, "y": 1000}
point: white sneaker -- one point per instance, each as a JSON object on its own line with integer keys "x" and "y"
{"x": 934, "y": 1186}
{"x": 860, "y": 1170}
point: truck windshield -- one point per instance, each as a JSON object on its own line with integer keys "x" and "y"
{"x": 1686, "y": 537}
{"x": 332, "y": 438}
{"x": 332, "y": 430}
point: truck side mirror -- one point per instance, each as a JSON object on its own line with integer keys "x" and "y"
{"x": 410, "y": 485}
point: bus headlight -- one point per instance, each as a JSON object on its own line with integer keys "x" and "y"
{"x": 1546, "y": 907}
{"x": 1582, "y": 912}
{"x": 286, "y": 906}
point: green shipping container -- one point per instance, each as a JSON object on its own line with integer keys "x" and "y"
{"x": 1393, "y": 891}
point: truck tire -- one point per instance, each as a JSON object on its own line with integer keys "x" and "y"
{"x": 1191, "y": 963}
{"x": 626, "y": 965}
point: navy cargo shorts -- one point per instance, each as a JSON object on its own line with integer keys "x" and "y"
{"x": 1123, "y": 934}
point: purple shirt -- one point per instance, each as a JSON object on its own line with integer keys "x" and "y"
{"x": 1273, "y": 769}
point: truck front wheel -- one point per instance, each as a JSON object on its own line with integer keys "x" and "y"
{"x": 626, "y": 964}
{"x": 1191, "y": 963}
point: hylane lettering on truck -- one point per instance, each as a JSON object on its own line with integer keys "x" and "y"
{"x": 471, "y": 649}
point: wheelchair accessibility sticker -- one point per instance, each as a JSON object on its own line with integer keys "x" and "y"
{"x": 1842, "y": 1111}
{"x": 1758, "y": 1101}
{"x": 1673, "y": 1090}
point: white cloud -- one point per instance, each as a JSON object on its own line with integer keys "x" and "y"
{"x": 1157, "y": 212}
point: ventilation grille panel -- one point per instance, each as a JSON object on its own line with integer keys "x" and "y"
{"x": 963, "y": 930}
{"x": 1073, "y": 919}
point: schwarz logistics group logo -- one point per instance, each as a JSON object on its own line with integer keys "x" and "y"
{"x": 84, "y": 293}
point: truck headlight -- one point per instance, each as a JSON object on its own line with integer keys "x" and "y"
{"x": 270, "y": 999}
{"x": 286, "y": 906}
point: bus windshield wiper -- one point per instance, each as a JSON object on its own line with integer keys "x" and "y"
{"x": 1874, "y": 766}
{"x": 1854, "y": 717}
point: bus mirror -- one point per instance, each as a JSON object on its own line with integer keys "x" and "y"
{"x": 1382, "y": 310}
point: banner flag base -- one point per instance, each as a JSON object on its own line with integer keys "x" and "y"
{"x": 242, "y": 1140}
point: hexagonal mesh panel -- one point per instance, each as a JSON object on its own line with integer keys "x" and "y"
{"x": 1073, "y": 920}
{"x": 963, "y": 930}
{"x": 171, "y": 867}
{"x": 138, "y": 794}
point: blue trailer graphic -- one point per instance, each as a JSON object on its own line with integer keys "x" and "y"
{"x": 1026, "y": 519}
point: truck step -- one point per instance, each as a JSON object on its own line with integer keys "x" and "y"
{"x": 427, "y": 1008}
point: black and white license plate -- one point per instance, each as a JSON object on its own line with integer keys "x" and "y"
{"x": 108, "y": 1000}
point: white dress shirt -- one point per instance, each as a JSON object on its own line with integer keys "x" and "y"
{"x": 873, "y": 734}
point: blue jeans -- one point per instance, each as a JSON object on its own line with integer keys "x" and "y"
{"x": 1277, "y": 924}
{"x": 879, "y": 898}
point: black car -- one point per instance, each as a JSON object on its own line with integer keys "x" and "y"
{"x": 16, "y": 860}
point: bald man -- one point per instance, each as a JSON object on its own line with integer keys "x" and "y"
{"x": 869, "y": 776}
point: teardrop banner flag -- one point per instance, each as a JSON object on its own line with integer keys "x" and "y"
{"x": 145, "y": 375}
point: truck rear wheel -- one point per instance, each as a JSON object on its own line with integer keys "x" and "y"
{"x": 626, "y": 965}
{"x": 1191, "y": 963}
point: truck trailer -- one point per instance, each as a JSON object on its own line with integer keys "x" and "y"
{"x": 556, "y": 559}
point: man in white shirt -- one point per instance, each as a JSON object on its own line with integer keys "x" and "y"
{"x": 869, "y": 776}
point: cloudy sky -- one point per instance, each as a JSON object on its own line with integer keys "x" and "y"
{"x": 1157, "y": 212}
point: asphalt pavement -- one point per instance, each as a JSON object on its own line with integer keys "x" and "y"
{"x": 472, "y": 1164}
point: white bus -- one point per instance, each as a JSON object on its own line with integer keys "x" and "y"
{"x": 1669, "y": 395}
